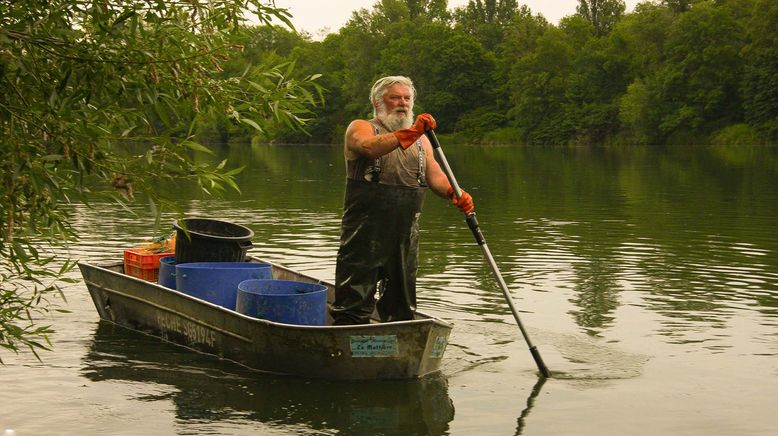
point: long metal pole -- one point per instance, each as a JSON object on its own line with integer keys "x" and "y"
{"x": 479, "y": 238}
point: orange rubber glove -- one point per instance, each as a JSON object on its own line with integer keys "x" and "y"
{"x": 408, "y": 136}
{"x": 464, "y": 203}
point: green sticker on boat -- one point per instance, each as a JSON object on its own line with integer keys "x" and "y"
{"x": 438, "y": 347}
{"x": 374, "y": 346}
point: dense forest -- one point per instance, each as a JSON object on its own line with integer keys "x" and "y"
{"x": 493, "y": 72}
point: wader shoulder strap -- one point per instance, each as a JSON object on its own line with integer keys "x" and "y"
{"x": 373, "y": 172}
{"x": 422, "y": 176}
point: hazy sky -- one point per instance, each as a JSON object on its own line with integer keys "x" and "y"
{"x": 313, "y": 15}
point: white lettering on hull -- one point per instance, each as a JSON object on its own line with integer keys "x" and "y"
{"x": 194, "y": 332}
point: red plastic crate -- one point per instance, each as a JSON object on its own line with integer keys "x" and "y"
{"x": 150, "y": 274}
{"x": 143, "y": 265}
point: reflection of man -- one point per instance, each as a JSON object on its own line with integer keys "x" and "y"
{"x": 389, "y": 164}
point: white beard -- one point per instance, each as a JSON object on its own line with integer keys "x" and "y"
{"x": 396, "y": 120}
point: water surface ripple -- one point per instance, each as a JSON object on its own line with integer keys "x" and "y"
{"x": 648, "y": 278}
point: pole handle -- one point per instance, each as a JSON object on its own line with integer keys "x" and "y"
{"x": 479, "y": 237}
{"x": 443, "y": 162}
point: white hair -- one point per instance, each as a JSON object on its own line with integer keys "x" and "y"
{"x": 381, "y": 85}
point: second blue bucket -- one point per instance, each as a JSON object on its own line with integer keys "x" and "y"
{"x": 283, "y": 301}
{"x": 167, "y": 272}
{"x": 217, "y": 282}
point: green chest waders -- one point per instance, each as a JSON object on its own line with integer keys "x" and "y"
{"x": 379, "y": 244}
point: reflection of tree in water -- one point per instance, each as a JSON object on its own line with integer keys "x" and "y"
{"x": 211, "y": 389}
{"x": 688, "y": 230}
{"x": 594, "y": 242}
{"x": 704, "y": 219}
{"x": 596, "y": 294}
{"x": 594, "y": 206}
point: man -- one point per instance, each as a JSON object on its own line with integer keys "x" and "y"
{"x": 390, "y": 165}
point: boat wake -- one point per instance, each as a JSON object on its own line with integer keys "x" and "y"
{"x": 568, "y": 356}
{"x": 588, "y": 359}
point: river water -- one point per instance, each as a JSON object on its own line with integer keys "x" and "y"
{"x": 647, "y": 277}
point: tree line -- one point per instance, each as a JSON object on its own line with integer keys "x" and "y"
{"x": 494, "y": 72}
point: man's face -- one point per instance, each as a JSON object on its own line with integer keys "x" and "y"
{"x": 396, "y": 107}
{"x": 398, "y": 98}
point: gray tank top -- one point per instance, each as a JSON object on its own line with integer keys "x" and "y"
{"x": 398, "y": 168}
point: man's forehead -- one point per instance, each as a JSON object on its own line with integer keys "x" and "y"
{"x": 398, "y": 88}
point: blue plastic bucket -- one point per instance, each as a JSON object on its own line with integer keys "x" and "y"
{"x": 167, "y": 272}
{"x": 283, "y": 301}
{"x": 217, "y": 282}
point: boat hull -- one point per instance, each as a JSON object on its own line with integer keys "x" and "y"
{"x": 397, "y": 350}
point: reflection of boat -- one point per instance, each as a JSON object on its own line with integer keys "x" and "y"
{"x": 396, "y": 350}
{"x": 205, "y": 388}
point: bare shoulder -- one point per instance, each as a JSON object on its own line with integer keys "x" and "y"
{"x": 357, "y": 132}
{"x": 359, "y": 126}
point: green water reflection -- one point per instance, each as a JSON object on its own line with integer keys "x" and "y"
{"x": 671, "y": 251}
{"x": 690, "y": 228}
{"x": 201, "y": 388}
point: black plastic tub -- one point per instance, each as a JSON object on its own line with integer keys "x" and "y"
{"x": 209, "y": 240}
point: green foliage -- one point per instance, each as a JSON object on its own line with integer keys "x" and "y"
{"x": 737, "y": 134}
{"x": 431, "y": 9}
{"x": 503, "y": 136}
{"x": 520, "y": 39}
{"x": 668, "y": 71}
{"x": 760, "y": 85}
{"x": 637, "y": 113}
{"x": 538, "y": 84}
{"x": 639, "y": 40}
{"x": 452, "y": 73}
{"x": 602, "y": 14}
{"x": 480, "y": 121}
{"x": 487, "y": 20}
{"x": 700, "y": 76}
{"x": 29, "y": 280}
{"x": 105, "y": 98}
{"x": 679, "y": 6}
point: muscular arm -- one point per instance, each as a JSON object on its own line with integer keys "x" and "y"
{"x": 361, "y": 141}
{"x": 436, "y": 178}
